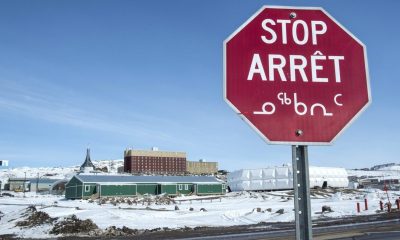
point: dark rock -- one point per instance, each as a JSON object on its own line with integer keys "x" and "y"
{"x": 176, "y": 208}
{"x": 155, "y": 229}
{"x": 113, "y": 231}
{"x": 7, "y": 194}
{"x": 73, "y": 225}
{"x": 36, "y": 218}
{"x": 203, "y": 210}
{"x": 198, "y": 228}
{"x": 31, "y": 208}
{"x": 280, "y": 211}
{"x": 129, "y": 231}
{"x": 326, "y": 208}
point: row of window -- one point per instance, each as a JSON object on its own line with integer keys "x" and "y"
{"x": 159, "y": 167}
{"x": 159, "y": 158}
{"x": 157, "y": 164}
{"x": 180, "y": 186}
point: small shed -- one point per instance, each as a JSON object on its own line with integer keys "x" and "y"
{"x": 19, "y": 184}
{"x": 86, "y": 186}
{"x": 31, "y": 184}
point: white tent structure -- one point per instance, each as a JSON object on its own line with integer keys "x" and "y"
{"x": 281, "y": 178}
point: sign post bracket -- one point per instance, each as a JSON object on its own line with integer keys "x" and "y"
{"x": 301, "y": 186}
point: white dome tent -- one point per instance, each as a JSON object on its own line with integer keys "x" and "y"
{"x": 281, "y": 178}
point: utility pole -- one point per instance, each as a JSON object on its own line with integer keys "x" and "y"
{"x": 24, "y": 183}
{"x": 37, "y": 184}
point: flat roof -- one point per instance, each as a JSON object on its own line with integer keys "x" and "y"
{"x": 146, "y": 179}
{"x": 152, "y": 153}
{"x": 33, "y": 180}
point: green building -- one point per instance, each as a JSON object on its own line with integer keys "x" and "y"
{"x": 85, "y": 186}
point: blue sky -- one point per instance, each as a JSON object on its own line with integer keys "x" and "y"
{"x": 117, "y": 74}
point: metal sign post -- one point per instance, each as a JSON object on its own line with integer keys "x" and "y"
{"x": 301, "y": 186}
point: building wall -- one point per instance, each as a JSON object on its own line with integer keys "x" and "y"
{"x": 139, "y": 161}
{"x": 118, "y": 190}
{"x": 89, "y": 189}
{"x": 19, "y": 185}
{"x": 185, "y": 188}
{"x": 31, "y": 184}
{"x": 40, "y": 187}
{"x": 201, "y": 167}
{"x": 147, "y": 188}
{"x": 73, "y": 189}
{"x": 206, "y": 189}
{"x": 76, "y": 189}
{"x": 170, "y": 189}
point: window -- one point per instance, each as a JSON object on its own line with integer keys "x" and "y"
{"x": 180, "y": 186}
{"x": 87, "y": 188}
{"x": 186, "y": 186}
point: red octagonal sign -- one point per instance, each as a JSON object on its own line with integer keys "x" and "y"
{"x": 295, "y": 75}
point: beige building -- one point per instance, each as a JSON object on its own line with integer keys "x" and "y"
{"x": 201, "y": 167}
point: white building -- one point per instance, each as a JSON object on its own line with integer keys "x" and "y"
{"x": 3, "y": 163}
{"x": 281, "y": 178}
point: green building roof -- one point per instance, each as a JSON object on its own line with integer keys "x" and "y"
{"x": 146, "y": 179}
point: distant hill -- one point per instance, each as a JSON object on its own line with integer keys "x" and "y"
{"x": 110, "y": 166}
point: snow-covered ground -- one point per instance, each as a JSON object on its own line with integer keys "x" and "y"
{"x": 237, "y": 208}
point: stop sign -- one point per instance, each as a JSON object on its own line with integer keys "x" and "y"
{"x": 295, "y": 75}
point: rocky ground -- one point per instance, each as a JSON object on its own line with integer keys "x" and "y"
{"x": 135, "y": 217}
